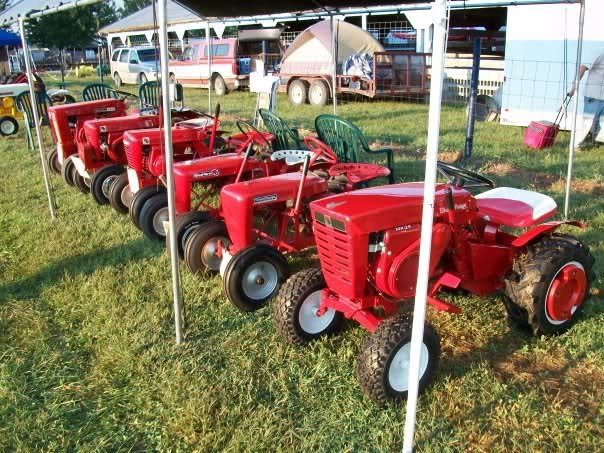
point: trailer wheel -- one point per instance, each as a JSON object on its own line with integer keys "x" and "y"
{"x": 296, "y": 305}
{"x": 383, "y": 362}
{"x": 120, "y": 195}
{"x": 139, "y": 199}
{"x": 185, "y": 224}
{"x": 253, "y": 276}
{"x": 100, "y": 183}
{"x": 318, "y": 93}
{"x": 297, "y": 92}
{"x": 202, "y": 245}
{"x": 52, "y": 159}
{"x": 8, "y": 126}
{"x": 548, "y": 284}
{"x": 67, "y": 171}
{"x": 153, "y": 215}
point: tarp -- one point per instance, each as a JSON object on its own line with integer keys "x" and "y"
{"x": 9, "y": 39}
{"x": 310, "y": 52}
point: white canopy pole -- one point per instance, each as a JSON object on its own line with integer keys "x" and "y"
{"x": 439, "y": 11}
{"x": 573, "y": 128}
{"x": 334, "y": 60}
{"x": 34, "y": 105}
{"x": 167, "y": 124}
{"x": 209, "y": 50}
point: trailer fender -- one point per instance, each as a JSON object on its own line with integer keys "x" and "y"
{"x": 540, "y": 230}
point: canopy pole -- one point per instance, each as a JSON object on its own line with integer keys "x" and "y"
{"x": 439, "y": 12}
{"x": 34, "y": 104}
{"x": 573, "y": 128}
{"x": 334, "y": 61}
{"x": 209, "y": 50}
{"x": 167, "y": 125}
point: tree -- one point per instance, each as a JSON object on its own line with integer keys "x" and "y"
{"x": 132, "y": 6}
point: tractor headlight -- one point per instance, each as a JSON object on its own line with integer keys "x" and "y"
{"x": 8, "y": 102}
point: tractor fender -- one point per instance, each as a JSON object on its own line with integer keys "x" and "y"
{"x": 540, "y": 230}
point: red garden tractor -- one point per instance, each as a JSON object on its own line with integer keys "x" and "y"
{"x": 268, "y": 217}
{"x": 199, "y": 178}
{"x": 368, "y": 244}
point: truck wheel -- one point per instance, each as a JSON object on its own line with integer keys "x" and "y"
{"x": 297, "y": 92}
{"x": 67, "y": 171}
{"x": 52, "y": 159}
{"x": 8, "y": 126}
{"x": 152, "y": 217}
{"x": 101, "y": 181}
{"x": 253, "y": 276}
{"x": 548, "y": 283}
{"x": 220, "y": 87}
{"x": 185, "y": 224}
{"x": 82, "y": 183}
{"x": 139, "y": 199}
{"x": 117, "y": 80}
{"x": 383, "y": 362}
{"x": 202, "y": 245}
{"x": 120, "y": 194}
{"x": 295, "y": 309}
{"x": 318, "y": 93}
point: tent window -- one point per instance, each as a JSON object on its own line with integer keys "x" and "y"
{"x": 218, "y": 50}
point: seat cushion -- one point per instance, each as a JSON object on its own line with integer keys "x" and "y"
{"x": 515, "y": 208}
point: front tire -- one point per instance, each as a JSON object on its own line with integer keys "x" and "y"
{"x": 153, "y": 215}
{"x": 220, "y": 87}
{"x": 102, "y": 180}
{"x": 548, "y": 284}
{"x": 8, "y": 126}
{"x": 139, "y": 199}
{"x": 253, "y": 276}
{"x": 67, "y": 171}
{"x": 82, "y": 183}
{"x": 383, "y": 362}
{"x": 185, "y": 224}
{"x": 200, "y": 252}
{"x": 295, "y": 309}
{"x": 120, "y": 195}
{"x": 52, "y": 159}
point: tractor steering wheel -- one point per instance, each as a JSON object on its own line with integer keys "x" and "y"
{"x": 320, "y": 151}
{"x": 460, "y": 177}
{"x": 202, "y": 114}
{"x": 246, "y": 128}
{"x": 124, "y": 94}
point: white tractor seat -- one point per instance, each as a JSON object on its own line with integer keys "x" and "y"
{"x": 515, "y": 208}
{"x": 292, "y": 156}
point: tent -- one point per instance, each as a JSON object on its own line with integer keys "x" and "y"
{"x": 310, "y": 53}
{"x": 8, "y": 38}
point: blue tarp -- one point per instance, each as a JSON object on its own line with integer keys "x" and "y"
{"x": 9, "y": 39}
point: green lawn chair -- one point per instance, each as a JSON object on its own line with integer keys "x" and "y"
{"x": 98, "y": 91}
{"x": 348, "y": 141}
{"x": 23, "y": 103}
{"x": 148, "y": 94}
{"x": 285, "y": 136}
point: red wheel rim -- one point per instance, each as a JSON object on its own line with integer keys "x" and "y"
{"x": 566, "y": 293}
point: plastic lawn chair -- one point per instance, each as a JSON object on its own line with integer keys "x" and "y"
{"x": 285, "y": 136}
{"x": 348, "y": 141}
{"x": 148, "y": 94}
{"x": 98, "y": 91}
{"x": 23, "y": 102}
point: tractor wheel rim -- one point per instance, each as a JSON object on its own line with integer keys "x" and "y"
{"x": 398, "y": 372}
{"x": 566, "y": 293}
{"x": 309, "y": 320}
{"x": 158, "y": 221}
{"x": 107, "y": 184}
{"x": 260, "y": 280}
{"x": 209, "y": 251}
{"x": 7, "y": 127}
{"x": 126, "y": 196}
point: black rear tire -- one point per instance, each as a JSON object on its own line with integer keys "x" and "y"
{"x": 152, "y": 215}
{"x": 295, "y": 306}
{"x": 185, "y": 224}
{"x": 201, "y": 245}
{"x": 253, "y": 276}
{"x": 119, "y": 194}
{"x": 139, "y": 199}
{"x": 8, "y": 126}
{"x": 67, "y": 171}
{"x": 382, "y": 364}
{"x": 102, "y": 180}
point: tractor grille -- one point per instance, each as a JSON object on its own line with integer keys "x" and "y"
{"x": 127, "y": 151}
{"x": 335, "y": 252}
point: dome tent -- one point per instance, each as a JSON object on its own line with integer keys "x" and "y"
{"x": 310, "y": 52}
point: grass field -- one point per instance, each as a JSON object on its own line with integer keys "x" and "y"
{"x": 87, "y": 353}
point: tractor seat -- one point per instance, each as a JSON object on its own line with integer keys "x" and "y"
{"x": 515, "y": 208}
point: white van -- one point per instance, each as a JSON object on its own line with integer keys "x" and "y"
{"x": 135, "y": 65}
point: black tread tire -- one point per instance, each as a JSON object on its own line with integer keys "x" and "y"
{"x": 116, "y": 188}
{"x": 98, "y": 179}
{"x": 287, "y": 305}
{"x": 185, "y": 224}
{"x": 197, "y": 240}
{"x": 67, "y": 171}
{"x": 148, "y": 212}
{"x": 140, "y": 198}
{"x": 378, "y": 351}
{"x": 13, "y": 122}
{"x": 80, "y": 182}
{"x": 302, "y": 85}
{"x": 526, "y": 286}
{"x": 233, "y": 275}
{"x": 219, "y": 85}
{"x": 324, "y": 91}
{"x": 52, "y": 160}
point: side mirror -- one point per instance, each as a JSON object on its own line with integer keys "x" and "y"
{"x": 178, "y": 93}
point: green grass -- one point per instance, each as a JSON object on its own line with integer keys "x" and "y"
{"x": 87, "y": 353}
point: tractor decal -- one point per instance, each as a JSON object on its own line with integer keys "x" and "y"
{"x": 105, "y": 110}
{"x": 209, "y": 173}
{"x": 265, "y": 199}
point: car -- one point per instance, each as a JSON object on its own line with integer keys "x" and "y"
{"x": 134, "y": 65}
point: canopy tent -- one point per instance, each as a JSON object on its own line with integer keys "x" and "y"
{"x": 8, "y": 38}
{"x": 311, "y": 51}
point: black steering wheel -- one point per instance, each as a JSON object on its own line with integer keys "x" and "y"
{"x": 460, "y": 177}
{"x": 247, "y": 128}
{"x": 201, "y": 114}
{"x": 124, "y": 94}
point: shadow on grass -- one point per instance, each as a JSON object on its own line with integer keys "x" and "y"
{"x": 78, "y": 265}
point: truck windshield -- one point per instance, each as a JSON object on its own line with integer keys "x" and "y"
{"x": 146, "y": 55}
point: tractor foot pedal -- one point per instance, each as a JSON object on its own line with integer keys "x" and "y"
{"x": 449, "y": 281}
